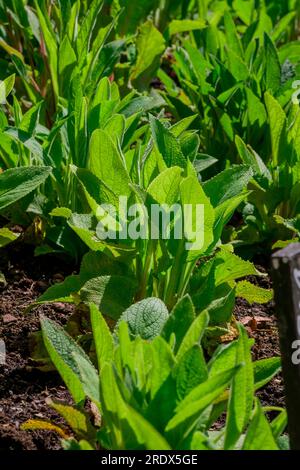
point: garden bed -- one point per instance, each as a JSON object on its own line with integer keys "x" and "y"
{"x": 24, "y": 388}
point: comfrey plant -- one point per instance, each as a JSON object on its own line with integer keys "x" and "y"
{"x": 223, "y": 71}
{"x": 153, "y": 389}
{"x": 272, "y": 209}
{"x": 163, "y": 256}
{"x": 27, "y": 143}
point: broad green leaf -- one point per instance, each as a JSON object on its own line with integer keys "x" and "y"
{"x": 272, "y": 66}
{"x": 181, "y": 126}
{"x": 18, "y": 182}
{"x": 224, "y": 358}
{"x": 30, "y": 120}
{"x": 194, "y": 334}
{"x": 199, "y": 216}
{"x": 227, "y": 184}
{"x": 102, "y": 337}
{"x": 232, "y": 38}
{"x": 277, "y": 120}
{"x": 265, "y": 370}
{"x": 279, "y": 424}
{"x": 146, "y": 318}
{"x": 282, "y": 25}
{"x": 115, "y": 127}
{"x": 179, "y": 321}
{"x": 241, "y": 393}
{"x": 7, "y": 236}
{"x": 167, "y": 144}
{"x": 61, "y": 347}
{"x": 256, "y": 111}
{"x": 182, "y": 26}
{"x": 162, "y": 363}
{"x": 133, "y": 14}
{"x": 128, "y": 428}
{"x": 232, "y": 268}
{"x": 259, "y": 435}
{"x": 253, "y": 294}
{"x": 189, "y": 409}
{"x": 61, "y": 292}
{"x": 106, "y": 163}
{"x": 6, "y": 86}
{"x": 51, "y": 45}
{"x": 251, "y": 158}
{"x": 190, "y": 372}
{"x": 78, "y": 420}
{"x": 164, "y": 189}
{"x": 111, "y": 294}
{"x": 66, "y": 62}
{"x": 150, "y": 45}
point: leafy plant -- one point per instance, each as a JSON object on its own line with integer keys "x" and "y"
{"x": 223, "y": 71}
{"x": 138, "y": 369}
{"x": 159, "y": 263}
{"x": 272, "y": 209}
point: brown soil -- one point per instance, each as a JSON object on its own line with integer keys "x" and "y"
{"x": 24, "y": 389}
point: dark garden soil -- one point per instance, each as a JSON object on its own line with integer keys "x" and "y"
{"x": 24, "y": 388}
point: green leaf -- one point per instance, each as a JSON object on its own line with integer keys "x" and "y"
{"x": 106, "y": 163}
{"x": 265, "y": 370}
{"x": 256, "y": 111}
{"x": 179, "y": 321}
{"x": 189, "y": 409}
{"x": 279, "y": 424}
{"x": 164, "y": 189}
{"x": 227, "y": 184}
{"x": 272, "y": 66}
{"x": 30, "y": 119}
{"x": 146, "y": 318}
{"x": 224, "y": 358}
{"x": 111, "y": 294}
{"x": 259, "y": 435}
{"x": 194, "y": 334}
{"x": 190, "y": 372}
{"x": 282, "y": 26}
{"x": 232, "y": 268}
{"x": 61, "y": 292}
{"x": 76, "y": 419}
{"x": 67, "y": 60}
{"x": 182, "y": 26}
{"x": 251, "y": 158}
{"x": 6, "y": 86}
{"x": 232, "y": 38}
{"x": 18, "y": 182}
{"x": 102, "y": 337}
{"x": 241, "y": 393}
{"x": 277, "y": 119}
{"x": 162, "y": 363}
{"x": 167, "y": 144}
{"x": 253, "y": 294}
{"x": 51, "y": 45}
{"x": 198, "y": 231}
{"x": 128, "y": 428}
{"x": 7, "y": 236}
{"x": 133, "y": 15}
{"x": 61, "y": 348}
{"x": 150, "y": 45}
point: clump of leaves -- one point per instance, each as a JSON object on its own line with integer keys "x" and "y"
{"x": 272, "y": 209}
{"x": 153, "y": 389}
{"x": 224, "y": 70}
{"x": 163, "y": 171}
